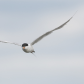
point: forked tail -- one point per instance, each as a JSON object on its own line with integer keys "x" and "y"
{"x": 33, "y": 54}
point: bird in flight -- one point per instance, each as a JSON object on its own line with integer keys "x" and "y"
{"x": 28, "y": 47}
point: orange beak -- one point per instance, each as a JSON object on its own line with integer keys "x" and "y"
{"x": 23, "y": 47}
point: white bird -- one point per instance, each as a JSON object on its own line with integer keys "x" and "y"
{"x": 28, "y": 48}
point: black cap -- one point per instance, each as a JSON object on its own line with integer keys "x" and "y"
{"x": 24, "y": 44}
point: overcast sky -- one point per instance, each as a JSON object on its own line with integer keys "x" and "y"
{"x": 59, "y": 56}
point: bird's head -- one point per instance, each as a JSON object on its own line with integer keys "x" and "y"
{"x": 24, "y": 45}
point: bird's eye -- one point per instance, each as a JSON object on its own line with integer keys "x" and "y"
{"x": 26, "y": 44}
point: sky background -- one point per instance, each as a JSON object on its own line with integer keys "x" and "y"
{"x": 59, "y": 56}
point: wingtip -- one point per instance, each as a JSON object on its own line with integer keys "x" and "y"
{"x": 73, "y": 15}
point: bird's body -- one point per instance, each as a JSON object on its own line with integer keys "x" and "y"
{"x": 28, "y": 48}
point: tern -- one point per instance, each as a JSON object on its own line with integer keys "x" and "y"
{"x": 28, "y": 47}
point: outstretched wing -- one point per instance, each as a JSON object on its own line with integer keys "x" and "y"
{"x": 49, "y": 32}
{"x": 10, "y": 43}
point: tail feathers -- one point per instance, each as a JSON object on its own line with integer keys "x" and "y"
{"x": 33, "y": 53}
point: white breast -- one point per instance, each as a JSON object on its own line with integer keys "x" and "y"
{"x": 28, "y": 49}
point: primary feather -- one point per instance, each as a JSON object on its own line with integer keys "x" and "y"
{"x": 49, "y": 32}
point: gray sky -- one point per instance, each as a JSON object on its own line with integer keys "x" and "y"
{"x": 60, "y": 56}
